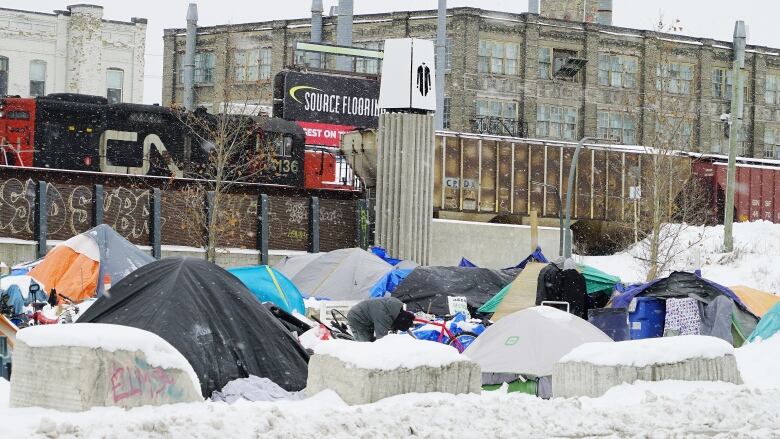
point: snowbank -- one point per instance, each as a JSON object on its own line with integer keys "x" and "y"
{"x": 640, "y": 353}
{"x": 157, "y": 352}
{"x": 5, "y": 393}
{"x": 759, "y": 362}
{"x": 756, "y": 248}
{"x": 391, "y": 352}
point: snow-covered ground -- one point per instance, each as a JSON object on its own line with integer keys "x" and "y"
{"x": 753, "y": 262}
{"x": 659, "y": 409}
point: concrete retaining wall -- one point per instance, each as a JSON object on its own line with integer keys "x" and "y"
{"x": 364, "y": 386}
{"x": 575, "y": 379}
{"x": 77, "y": 378}
{"x": 485, "y": 244}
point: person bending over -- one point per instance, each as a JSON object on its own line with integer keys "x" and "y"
{"x": 372, "y": 319}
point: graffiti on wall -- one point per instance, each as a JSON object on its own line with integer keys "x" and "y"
{"x": 141, "y": 380}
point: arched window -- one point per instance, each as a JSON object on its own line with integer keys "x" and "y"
{"x": 114, "y": 81}
{"x": 37, "y": 78}
{"x": 3, "y": 76}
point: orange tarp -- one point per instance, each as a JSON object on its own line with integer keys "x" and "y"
{"x": 758, "y": 302}
{"x": 72, "y": 268}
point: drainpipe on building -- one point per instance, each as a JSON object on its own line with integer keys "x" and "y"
{"x": 735, "y": 120}
{"x": 316, "y": 31}
{"x": 189, "y": 56}
{"x": 441, "y": 54}
{"x": 344, "y": 33}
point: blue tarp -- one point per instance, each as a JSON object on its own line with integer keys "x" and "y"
{"x": 536, "y": 256}
{"x": 423, "y": 331}
{"x": 17, "y": 301}
{"x": 268, "y": 285}
{"x": 768, "y": 326}
{"x": 387, "y": 284}
{"x": 382, "y": 253}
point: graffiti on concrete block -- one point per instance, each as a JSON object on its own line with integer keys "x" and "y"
{"x": 141, "y": 380}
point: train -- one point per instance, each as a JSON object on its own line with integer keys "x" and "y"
{"x": 86, "y": 133}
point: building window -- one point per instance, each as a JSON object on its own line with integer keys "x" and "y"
{"x": 720, "y": 139}
{"x": 772, "y": 94}
{"x": 497, "y": 57}
{"x": 204, "y": 68}
{"x": 369, "y": 65}
{"x": 675, "y": 78}
{"x": 3, "y": 76}
{"x": 448, "y": 55}
{"x": 772, "y": 143}
{"x": 721, "y": 83}
{"x": 673, "y": 132}
{"x": 497, "y": 117}
{"x": 446, "y": 112}
{"x": 114, "y": 81}
{"x": 551, "y": 60}
{"x": 617, "y": 70}
{"x": 615, "y": 125}
{"x": 252, "y": 65}
{"x": 556, "y": 122}
{"x": 37, "y": 78}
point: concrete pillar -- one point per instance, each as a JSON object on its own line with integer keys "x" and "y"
{"x": 85, "y": 45}
{"x": 404, "y": 207}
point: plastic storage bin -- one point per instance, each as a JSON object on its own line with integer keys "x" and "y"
{"x": 646, "y": 317}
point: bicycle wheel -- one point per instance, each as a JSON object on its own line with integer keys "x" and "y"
{"x": 462, "y": 340}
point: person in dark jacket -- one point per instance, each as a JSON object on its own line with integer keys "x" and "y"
{"x": 372, "y": 319}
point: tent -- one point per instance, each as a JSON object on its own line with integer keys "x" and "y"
{"x": 346, "y": 274}
{"x": 387, "y": 284}
{"x": 536, "y": 256}
{"x": 268, "y": 285}
{"x": 427, "y": 288}
{"x": 531, "y": 341}
{"x": 289, "y": 266}
{"x": 756, "y": 301}
{"x": 518, "y": 295}
{"x": 78, "y": 266}
{"x": 209, "y": 316}
{"x": 596, "y": 281}
{"x": 768, "y": 326}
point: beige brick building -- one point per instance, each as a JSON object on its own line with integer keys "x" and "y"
{"x": 523, "y": 75}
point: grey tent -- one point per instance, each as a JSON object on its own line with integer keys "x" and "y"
{"x": 289, "y": 266}
{"x": 346, "y": 274}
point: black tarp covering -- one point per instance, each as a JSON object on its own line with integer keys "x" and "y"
{"x": 210, "y": 317}
{"x": 559, "y": 285}
{"x": 427, "y": 288}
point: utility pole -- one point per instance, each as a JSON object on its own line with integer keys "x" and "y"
{"x": 441, "y": 55}
{"x": 735, "y": 121}
{"x": 572, "y": 173}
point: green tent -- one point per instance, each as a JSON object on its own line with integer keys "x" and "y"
{"x": 597, "y": 281}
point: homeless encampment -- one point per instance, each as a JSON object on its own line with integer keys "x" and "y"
{"x": 209, "y": 316}
{"x": 79, "y": 267}
{"x": 346, "y": 274}
{"x": 268, "y": 285}
{"x": 427, "y": 288}
{"x": 721, "y": 312}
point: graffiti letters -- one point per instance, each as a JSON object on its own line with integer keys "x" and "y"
{"x": 127, "y": 212}
{"x": 140, "y": 380}
{"x": 17, "y": 201}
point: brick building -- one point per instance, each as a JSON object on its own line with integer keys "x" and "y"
{"x": 71, "y": 51}
{"x": 527, "y": 75}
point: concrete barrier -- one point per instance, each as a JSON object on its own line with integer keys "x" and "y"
{"x": 75, "y": 378}
{"x": 363, "y": 385}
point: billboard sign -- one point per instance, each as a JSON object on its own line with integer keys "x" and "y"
{"x": 322, "y": 134}
{"x": 326, "y": 99}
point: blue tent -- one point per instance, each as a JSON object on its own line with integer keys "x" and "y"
{"x": 768, "y": 326}
{"x": 268, "y": 285}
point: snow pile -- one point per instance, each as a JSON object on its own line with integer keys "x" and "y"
{"x": 112, "y": 338}
{"x": 391, "y": 352}
{"x": 5, "y": 393}
{"x": 759, "y": 362}
{"x": 640, "y": 353}
{"x": 752, "y": 263}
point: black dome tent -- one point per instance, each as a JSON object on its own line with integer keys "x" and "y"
{"x": 210, "y": 317}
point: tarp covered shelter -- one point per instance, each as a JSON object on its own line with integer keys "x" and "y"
{"x": 268, "y": 285}
{"x": 346, "y": 274}
{"x": 768, "y": 326}
{"x": 427, "y": 288}
{"x": 518, "y": 295}
{"x": 209, "y": 316}
{"x": 77, "y": 267}
{"x": 531, "y": 341}
{"x": 390, "y": 282}
{"x": 596, "y": 281}
{"x": 536, "y": 256}
{"x": 758, "y": 302}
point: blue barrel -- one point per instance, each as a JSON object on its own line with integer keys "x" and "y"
{"x": 647, "y": 318}
{"x": 612, "y": 321}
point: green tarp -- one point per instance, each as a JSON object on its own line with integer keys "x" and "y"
{"x": 596, "y": 280}
{"x": 491, "y": 305}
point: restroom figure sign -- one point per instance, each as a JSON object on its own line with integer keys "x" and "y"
{"x": 408, "y": 76}
{"x": 423, "y": 79}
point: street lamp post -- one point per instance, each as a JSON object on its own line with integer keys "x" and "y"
{"x": 572, "y": 172}
{"x": 557, "y": 193}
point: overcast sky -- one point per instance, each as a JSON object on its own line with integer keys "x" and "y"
{"x": 702, "y": 18}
